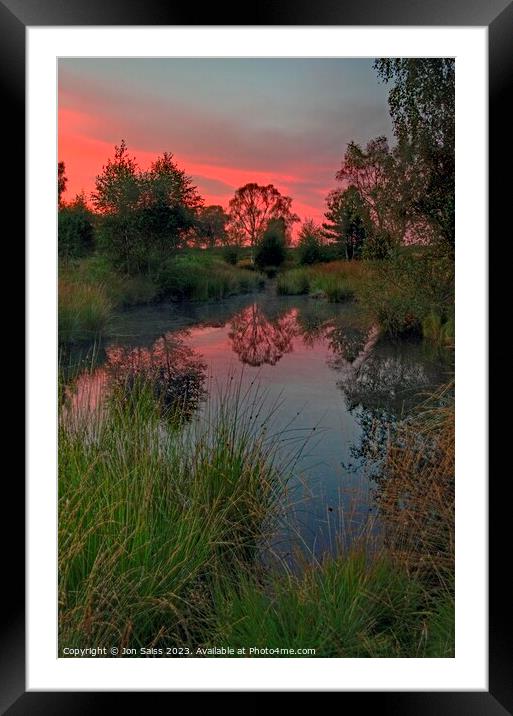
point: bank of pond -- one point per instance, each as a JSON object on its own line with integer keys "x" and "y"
{"x": 413, "y": 294}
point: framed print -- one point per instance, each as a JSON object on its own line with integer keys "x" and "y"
{"x": 257, "y": 377}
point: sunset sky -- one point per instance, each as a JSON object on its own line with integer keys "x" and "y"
{"x": 227, "y": 121}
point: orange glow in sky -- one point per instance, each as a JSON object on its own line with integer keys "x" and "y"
{"x": 227, "y": 122}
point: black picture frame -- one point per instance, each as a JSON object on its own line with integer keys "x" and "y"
{"x": 497, "y": 15}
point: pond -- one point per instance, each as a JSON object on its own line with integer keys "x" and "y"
{"x": 337, "y": 383}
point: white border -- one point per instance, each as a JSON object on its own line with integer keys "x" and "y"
{"x": 468, "y": 671}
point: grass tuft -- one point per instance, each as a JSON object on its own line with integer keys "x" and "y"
{"x": 150, "y": 518}
{"x": 84, "y": 311}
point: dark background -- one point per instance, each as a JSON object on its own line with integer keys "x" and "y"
{"x": 498, "y": 15}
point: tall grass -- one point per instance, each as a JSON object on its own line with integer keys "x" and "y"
{"x": 151, "y": 517}
{"x": 336, "y": 281}
{"x": 348, "y": 606}
{"x": 416, "y": 496}
{"x": 204, "y": 277}
{"x": 161, "y": 525}
{"x": 392, "y": 593}
{"x": 410, "y": 294}
{"x": 84, "y": 310}
{"x": 294, "y": 282}
{"x": 90, "y": 288}
{"x": 121, "y": 290}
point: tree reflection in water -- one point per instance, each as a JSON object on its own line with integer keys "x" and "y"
{"x": 257, "y": 339}
{"x": 380, "y": 374}
{"x": 173, "y": 372}
{"x": 382, "y": 382}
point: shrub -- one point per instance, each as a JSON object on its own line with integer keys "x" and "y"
{"x": 231, "y": 254}
{"x": 411, "y": 294}
{"x": 202, "y": 278}
{"x": 293, "y": 283}
{"x": 310, "y": 249}
{"x": 75, "y": 230}
{"x": 397, "y": 316}
{"x": 377, "y": 246}
{"x": 272, "y": 248}
{"x": 437, "y": 330}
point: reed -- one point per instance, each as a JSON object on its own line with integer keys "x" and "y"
{"x": 151, "y": 516}
{"x": 84, "y": 310}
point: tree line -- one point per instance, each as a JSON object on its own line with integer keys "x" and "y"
{"x": 388, "y": 195}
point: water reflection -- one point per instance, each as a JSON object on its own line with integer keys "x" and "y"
{"x": 327, "y": 364}
{"x": 385, "y": 375}
{"x": 258, "y": 339}
{"x": 172, "y": 371}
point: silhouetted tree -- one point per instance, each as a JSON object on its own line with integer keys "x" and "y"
{"x": 349, "y": 221}
{"x": 211, "y": 225}
{"x": 310, "y": 243}
{"x": 369, "y": 170}
{"x": 76, "y": 229}
{"x": 116, "y": 198}
{"x": 271, "y": 249}
{"x": 143, "y": 214}
{"x": 62, "y": 180}
{"x": 253, "y": 206}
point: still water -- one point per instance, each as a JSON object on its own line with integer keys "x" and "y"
{"x": 338, "y": 385}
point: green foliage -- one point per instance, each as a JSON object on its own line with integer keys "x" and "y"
{"x": 354, "y": 222}
{"x": 271, "y": 250}
{"x": 62, "y": 180}
{"x": 84, "y": 311}
{"x": 421, "y": 103}
{"x": 378, "y": 245}
{"x": 159, "y": 533}
{"x": 348, "y": 222}
{"x": 310, "y": 247}
{"x": 75, "y": 229}
{"x": 440, "y": 628}
{"x": 210, "y": 226}
{"x": 293, "y": 283}
{"x": 411, "y": 293}
{"x": 372, "y": 199}
{"x": 143, "y": 215}
{"x": 202, "y": 278}
{"x": 97, "y": 271}
{"x": 150, "y": 519}
{"x": 348, "y": 607}
{"x": 334, "y": 281}
{"x": 438, "y": 330}
{"x": 335, "y": 288}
